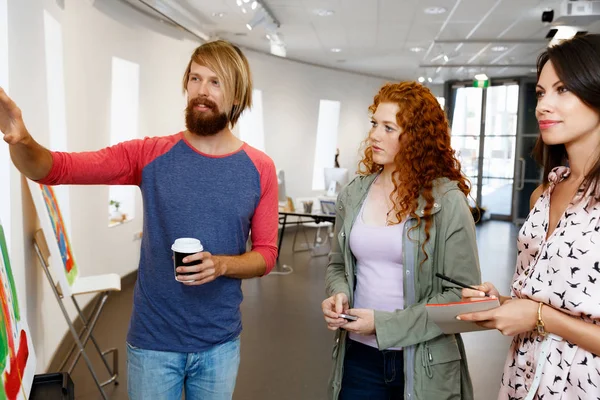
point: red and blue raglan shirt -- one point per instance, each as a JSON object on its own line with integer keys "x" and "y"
{"x": 216, "y": 199}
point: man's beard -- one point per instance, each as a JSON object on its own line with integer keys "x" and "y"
{"x": 204, "y": 123}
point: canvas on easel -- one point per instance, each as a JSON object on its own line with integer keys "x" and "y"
{"x": 17, "y": 358}
{"x": 62, "y": 261}
{"x": 57, "y": 254}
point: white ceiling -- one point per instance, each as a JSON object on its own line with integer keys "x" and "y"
{"x": 375, "y": 36}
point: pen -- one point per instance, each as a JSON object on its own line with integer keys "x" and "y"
{"x": 444, "y": 277}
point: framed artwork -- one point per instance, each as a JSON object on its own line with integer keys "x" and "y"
{"x": 17, "y": 358}
{"x": 62, "y": 260}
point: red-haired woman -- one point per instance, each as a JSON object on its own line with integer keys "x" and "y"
{"x": 403, "y": 219}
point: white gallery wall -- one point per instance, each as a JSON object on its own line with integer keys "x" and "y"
{"x": 93, "y": 34}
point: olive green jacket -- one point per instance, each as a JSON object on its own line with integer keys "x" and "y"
{"x": 435, "y": 366}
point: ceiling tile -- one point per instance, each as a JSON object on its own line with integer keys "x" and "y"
{"x": 376, "y": 35}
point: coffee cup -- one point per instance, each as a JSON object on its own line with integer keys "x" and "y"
{"x": 182, "y": 248}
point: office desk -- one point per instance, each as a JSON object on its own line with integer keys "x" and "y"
{"x": 283, "y": 221}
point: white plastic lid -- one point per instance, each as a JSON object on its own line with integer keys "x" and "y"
{"x": 187, "y": 245}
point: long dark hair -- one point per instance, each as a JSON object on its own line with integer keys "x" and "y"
{"x": 577, "y": 62}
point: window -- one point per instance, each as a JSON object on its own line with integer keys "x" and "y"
{"x": 252, "y": 129}
{"x": 57, "y": 118}
{"x": 123, "y": 126}
{"x": 326, "y": 143}
{"x": 4, "y": 155}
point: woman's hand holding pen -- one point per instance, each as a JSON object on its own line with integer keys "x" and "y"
{"x": 480, "y": 293}
{"x": 483, "y": 290}
{"x": 514, "y": 316}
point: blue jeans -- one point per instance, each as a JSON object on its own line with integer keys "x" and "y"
{"x": 372, "y": 374}
{"x": 162, "y": 375}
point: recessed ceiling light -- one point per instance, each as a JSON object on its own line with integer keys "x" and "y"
{"x": 246, "y": 1}
{"x": 249, "y": 27}
{"x": 499, "y": 48}
{"x": 244, "y": 10}
{"x": 434, "y": 10}
{"x": 254, "y": 5}
{"x": 323, "y": 13}
{"x": 219, "y": 14}
{"x": 429, "y": 80}
{"x": 239, "y": 2}
{"x": 416, "y": 49}
{"x": 421, "y": 79}
{"x": 336, "y": 50}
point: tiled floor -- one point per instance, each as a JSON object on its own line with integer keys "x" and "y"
{"x": 286, "y": 349}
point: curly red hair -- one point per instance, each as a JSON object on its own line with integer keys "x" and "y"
{"x": 426, "y": 153}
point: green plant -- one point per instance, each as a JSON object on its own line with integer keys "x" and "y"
{"x": 115, "y": 203}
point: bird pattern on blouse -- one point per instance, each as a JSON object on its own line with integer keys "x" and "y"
{"x": 563, "y": 272}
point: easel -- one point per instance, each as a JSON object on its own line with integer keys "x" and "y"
{"x": 88, "y": 285}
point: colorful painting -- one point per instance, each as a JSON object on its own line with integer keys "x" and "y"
{"x": 17, "y": 359}
{"x": 62, "y": 260}
{"x": 58, "y": 226}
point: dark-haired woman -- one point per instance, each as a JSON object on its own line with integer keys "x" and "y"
{"x": 404, "y": 219}
{"x": 554, "y": 308}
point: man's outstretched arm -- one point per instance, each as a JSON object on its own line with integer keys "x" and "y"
{"x": 120, "y": 164}
{"x": 32, "y": 159}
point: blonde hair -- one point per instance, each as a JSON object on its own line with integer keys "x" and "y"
{"x": 232, "y": 69}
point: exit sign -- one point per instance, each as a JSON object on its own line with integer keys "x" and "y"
{"x": 481, "y": 84}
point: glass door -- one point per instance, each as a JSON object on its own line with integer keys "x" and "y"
{"x": 499, "y": 144}
{"x": 484, "y": 130}
{"x": 466, "y": 133}
{"x": 529, "y": 174}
